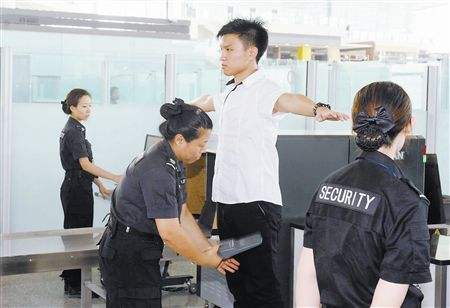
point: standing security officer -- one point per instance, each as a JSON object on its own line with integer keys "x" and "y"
{"x": 149, "y": 206}
{"x": 76, "y": 190}
{"x": 366, "y": 239}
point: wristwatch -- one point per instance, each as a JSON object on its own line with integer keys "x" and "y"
{"x": 320, "y": 105}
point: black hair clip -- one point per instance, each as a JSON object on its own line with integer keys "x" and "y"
{"x": 382, "y": 119}
{"x": 177, "y": 101}
{"x": 170, "y": 110}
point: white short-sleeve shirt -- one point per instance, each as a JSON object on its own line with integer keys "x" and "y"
{"x": 246, "y": 166}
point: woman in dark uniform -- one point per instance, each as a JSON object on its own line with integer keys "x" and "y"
{"x": 149, "y": 207}
{"x": 76, "y": 190}
{"x": 366, "y": 238}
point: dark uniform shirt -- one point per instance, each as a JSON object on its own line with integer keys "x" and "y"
{"x": 366, "y": 224}
{"x": 152, "y": 187}
{"x": 73, "y": 145}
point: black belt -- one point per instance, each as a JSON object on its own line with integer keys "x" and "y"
{"x": 79, "y": 173}
{"x": 132, "y": 231}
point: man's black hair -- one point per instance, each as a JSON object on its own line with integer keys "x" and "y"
{"x": 251, "y": 32}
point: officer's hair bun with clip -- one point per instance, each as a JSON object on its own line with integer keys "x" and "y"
{"x": 372, "y": 131}
{"x": 170, "y": 110}
{"x": 184, "y": 119}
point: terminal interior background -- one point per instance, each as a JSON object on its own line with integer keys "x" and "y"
{"x": 134, "y": 55}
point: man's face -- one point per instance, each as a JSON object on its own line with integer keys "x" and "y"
{"x": 235, "y": 56}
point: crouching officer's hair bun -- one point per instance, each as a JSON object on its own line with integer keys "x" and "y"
{"x": 380, "y": 111}
{"x": 184, "y": 119}
{"x": 173, "y": 109}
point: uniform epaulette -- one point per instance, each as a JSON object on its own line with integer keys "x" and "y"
{"x": 415, "y": 189}
{"x": 172, "y": 163}
{"x": 138, "y": 158}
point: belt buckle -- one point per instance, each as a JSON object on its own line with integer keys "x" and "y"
{"x": 127, "y": 229}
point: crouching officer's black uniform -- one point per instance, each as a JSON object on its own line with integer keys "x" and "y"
{"x": 130, "y": 249}
{"x": 367, "y": 222}
{"x": 76, "y": 190}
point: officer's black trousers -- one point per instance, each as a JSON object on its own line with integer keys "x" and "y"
{"x": 255, "y": 284}
{"x": 129, "y": 266}
{"x": 78, "y": 206}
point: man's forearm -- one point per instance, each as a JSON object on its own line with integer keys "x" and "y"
{"x": 204, "y": 102}
{"x": 302, "y": 105}
{"x": 296, "y": 104}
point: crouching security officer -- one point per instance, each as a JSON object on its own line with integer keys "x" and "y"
{"x": 148, "y": 207}
{"x": 76, "y": 190}
{"x": 366, "y": 239}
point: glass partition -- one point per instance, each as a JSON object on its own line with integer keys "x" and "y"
{"x": 46, "y": 78}
{"x": 346, "y": 78}
{"x": 326, "y": 91}
{"x": 136, "y": 80}
{"x": 197, "y": 75}
{"x": 43, "y": 72}
{"x": 323, "y": 81}
{"x": 128, "y": 88}
{"x": 413, "y": 79}
{"x": 443, "y": 128}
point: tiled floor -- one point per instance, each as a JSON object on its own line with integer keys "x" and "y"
{"x": 46, "y": 290}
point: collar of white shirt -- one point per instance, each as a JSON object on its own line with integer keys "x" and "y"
{"x": 250, "y": 79}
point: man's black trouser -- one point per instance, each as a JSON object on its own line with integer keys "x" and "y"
{"x": 256, "y": 283}
{"x": 78, "y": 205}
{"x": 129, "y": 267}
